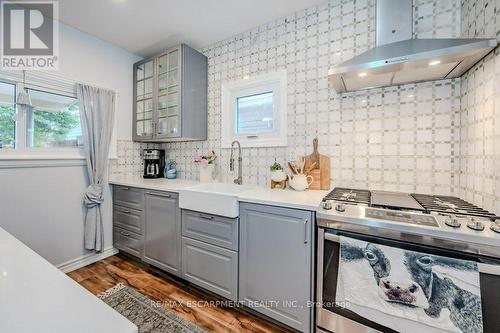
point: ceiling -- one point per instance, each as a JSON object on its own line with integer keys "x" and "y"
{"x": 146, "y": 27}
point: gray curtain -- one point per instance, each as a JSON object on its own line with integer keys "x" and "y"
{"x": 97, "y": 108}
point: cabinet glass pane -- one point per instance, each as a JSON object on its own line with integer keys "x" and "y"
{"x": 148, "y": 88}
{"x": 162, "y": 102}
{"x": 148, "y": 105}
{"x": 148, "y": 128}
{"x": 140, "y": 89}
{"x": 140, "y": 110}
{"x": 140, "y": 72}
{"x": 172, "y": 125}
{"x": 173, "y": 59}
{"x": 148, "y": 69}
{"x": 173, "y": 99}
{"x": 162, "y": 83}
{"x": 162, "y": 125}
{"x": 173, "y": 110}
{"x": 162, "y": 112}
{"x": 140, "y": 128}
{"x": 162, "y": 64}
{"x": 173, "y": 77}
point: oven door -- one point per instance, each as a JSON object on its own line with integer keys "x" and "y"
{"x": 333, "y": 317}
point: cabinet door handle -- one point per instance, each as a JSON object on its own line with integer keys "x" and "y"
{"x": 124, "y": 233}
{"x": 206, "y": 217}
{"x": 126, "y": 211}
{"x": 305, "y": 231}
{"x": 126, "y": 188}
{"x": 159, "y": 194}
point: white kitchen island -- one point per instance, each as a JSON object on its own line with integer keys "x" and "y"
{"x": 36, "y": 297}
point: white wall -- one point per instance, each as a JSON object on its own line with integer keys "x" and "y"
{"x": 42, "y": 206}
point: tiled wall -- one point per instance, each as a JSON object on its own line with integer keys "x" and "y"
{"x": 398, "y": 138}
{"x": 480, "y": 111}
{"x": 403, "y": 138}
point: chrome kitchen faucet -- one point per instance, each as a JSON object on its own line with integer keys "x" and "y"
{"x": 238, "y": 180}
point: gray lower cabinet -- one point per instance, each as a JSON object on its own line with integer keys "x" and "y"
{"x": 128, "y": 219}
{"x": 127, "y": 241}
{"x": 275, "y": 263}
{"x": 210, "y": 267}
{"x": 212, "y": 229}
{"x": 162, "y": 231}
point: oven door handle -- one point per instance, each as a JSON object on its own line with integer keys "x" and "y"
{"x": 332, "y": 237}
{"x": 488, "y": 269}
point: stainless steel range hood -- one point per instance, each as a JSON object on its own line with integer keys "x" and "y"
{"x": 398, "y": 59}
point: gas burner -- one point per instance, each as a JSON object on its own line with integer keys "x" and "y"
{"x": 349, "y": 195}
{"x": 451, "y": 205}
{"x": 452, "y": 221}
{"x": 475, "y": 224}
{"x": 496, "y": 226}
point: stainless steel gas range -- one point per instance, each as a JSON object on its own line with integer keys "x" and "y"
{"x": 437, "y": 228}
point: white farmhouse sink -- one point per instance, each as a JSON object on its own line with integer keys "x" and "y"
{"x": 213, "y": 198}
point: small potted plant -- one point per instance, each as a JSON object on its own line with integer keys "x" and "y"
{"x": 207, "y": 166}
{"x": 277, "y": 173}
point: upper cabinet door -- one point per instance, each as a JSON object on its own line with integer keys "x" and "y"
{"x": 170, "y": 96}
{"x": 144, "y": 114}
{"x": 168, "y": 103}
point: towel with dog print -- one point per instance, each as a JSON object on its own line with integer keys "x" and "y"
{"x": 409, "y": 291}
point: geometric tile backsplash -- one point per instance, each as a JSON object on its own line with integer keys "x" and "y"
{"x": 406, "y": 138}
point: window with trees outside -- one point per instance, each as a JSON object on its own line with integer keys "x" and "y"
{"x": 254, "y": 111}
{"x": 53, "y": 121}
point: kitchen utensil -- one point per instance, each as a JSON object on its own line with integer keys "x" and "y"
{"x": 321, "y": 169}
{"x": 292, "y": 167}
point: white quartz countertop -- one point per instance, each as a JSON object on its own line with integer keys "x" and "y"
{"x": 307, "y": 200}
{"x": 36, "y": 297}
{"x": 160, "y": 184}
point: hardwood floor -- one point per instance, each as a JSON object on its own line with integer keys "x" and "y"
{"x": 175, "y": 294}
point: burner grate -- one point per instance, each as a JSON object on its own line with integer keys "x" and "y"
{"x": 447, "y": 204}
{"x": 349, "y": 195}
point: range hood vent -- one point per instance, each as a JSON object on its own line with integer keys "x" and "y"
{"x": 409, "y": 60}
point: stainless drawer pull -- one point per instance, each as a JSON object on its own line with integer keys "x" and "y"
{"x": 159, "y": 194}
{"x": 206, "y": 217}
{"x": 126, "y": 188}
{"x": 126, "y": 211}
{"x": 124, "y": 233}
{"x": 305, "y": 231}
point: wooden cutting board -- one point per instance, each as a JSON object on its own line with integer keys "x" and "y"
{"x": 321, "y": 170}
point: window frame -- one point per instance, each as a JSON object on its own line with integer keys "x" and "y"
{"x": 274, "y": 82}
{"x": 21, "y": 151}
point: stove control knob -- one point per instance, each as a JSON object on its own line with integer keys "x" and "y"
{"x": 475, "y": 224}
{"x": 496, "y": 226}
{"x": 327, "y": 204}
{"x": 340, "y": 207}
{"x": 453, "y": 222}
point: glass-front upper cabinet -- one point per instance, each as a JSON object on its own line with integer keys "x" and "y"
{"x": 168, "y": 67}
{"x": 143, "y": 110}
{"x": 170, "y": 96}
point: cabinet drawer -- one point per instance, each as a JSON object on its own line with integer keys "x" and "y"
{"x": 128, "y": 196}
{"x": 127, "y": 241}
{"x": 213, "y": 229}
{"x": 210, "y": 267}
{"x": 128, "y": 218}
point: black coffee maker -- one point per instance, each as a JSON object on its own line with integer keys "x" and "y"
{"x": 154, "y": 163}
